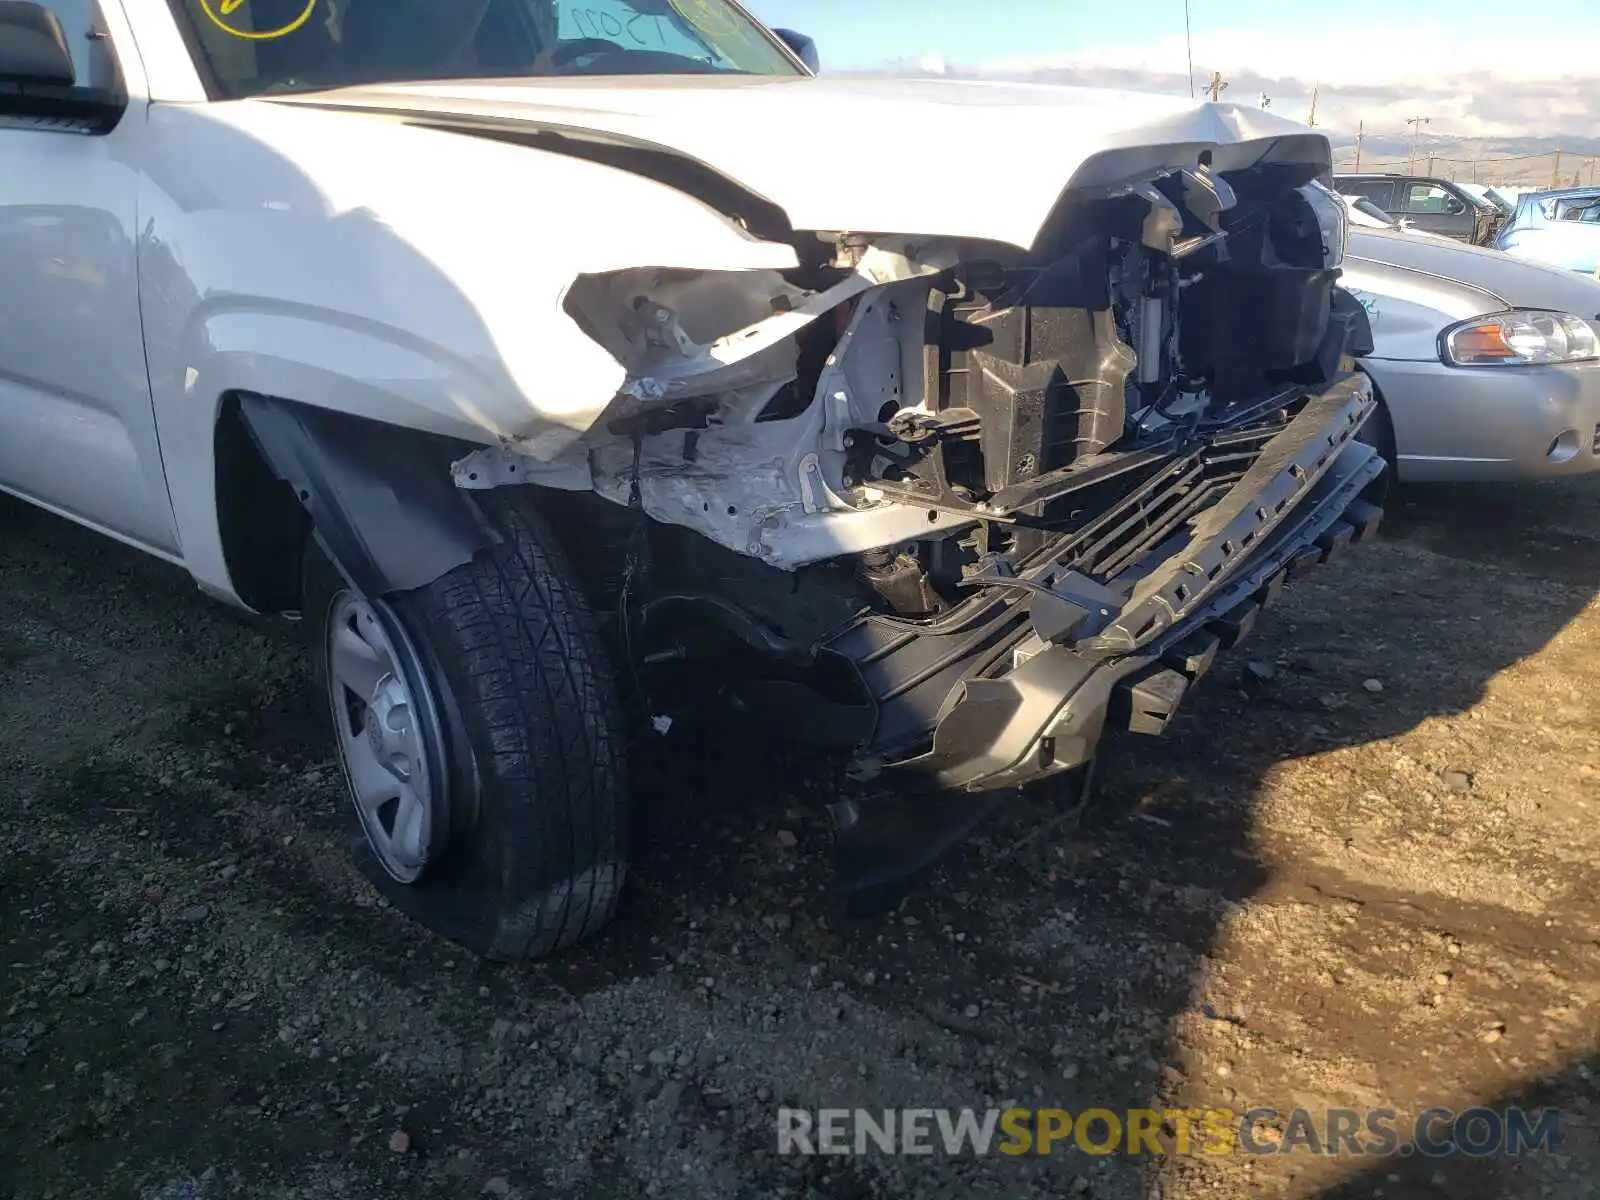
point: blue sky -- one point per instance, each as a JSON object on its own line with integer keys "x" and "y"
{"x": 865, "y": 33}
{"x": 868, "y": 32}
{"x": 1371, "y": 63}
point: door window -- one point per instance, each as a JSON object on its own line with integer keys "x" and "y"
{"x": 1379, "y": 191}
{"x": 1428, "y": 198}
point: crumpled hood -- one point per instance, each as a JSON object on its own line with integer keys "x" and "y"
{"x": 949, "y": 158}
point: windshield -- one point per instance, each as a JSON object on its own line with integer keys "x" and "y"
{"x": 255, "y": 46}
{"x": 1583, "y": 208}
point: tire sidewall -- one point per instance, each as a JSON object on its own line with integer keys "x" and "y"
{"x": 530, "y": 737}
{"x": 447, "y": 896}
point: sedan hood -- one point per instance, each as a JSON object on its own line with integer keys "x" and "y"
{"x": 941, "y": 158}
{"x": 1462, "y": 274}
{"x": 1413, "y": 287}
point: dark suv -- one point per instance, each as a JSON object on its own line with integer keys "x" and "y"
{"x": 1434, "y": 205}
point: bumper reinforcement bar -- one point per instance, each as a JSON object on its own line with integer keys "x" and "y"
{"x": 1021, "y": 681}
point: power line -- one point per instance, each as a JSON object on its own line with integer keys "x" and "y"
{"x": 1503, "y": 158}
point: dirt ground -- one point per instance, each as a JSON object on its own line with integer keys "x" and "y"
{"x": 1319, "y": 891}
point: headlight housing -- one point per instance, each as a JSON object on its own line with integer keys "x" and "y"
{"x": 1332, "y": 218}
{"x": 1519, "y": 338}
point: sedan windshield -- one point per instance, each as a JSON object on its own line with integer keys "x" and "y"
{"x": 249, "y": 47}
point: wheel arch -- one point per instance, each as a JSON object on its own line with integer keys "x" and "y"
{"x": 1379, "y": 431}
{"x": 261, "y": 525}
{"x": 378, "y": 498}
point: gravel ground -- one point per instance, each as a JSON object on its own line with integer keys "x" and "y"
{"x": 1361, "y": 873}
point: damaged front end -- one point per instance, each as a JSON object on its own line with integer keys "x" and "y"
{"x": 957, "y": 507}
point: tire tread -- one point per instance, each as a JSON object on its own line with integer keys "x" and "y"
{"x": 534, "y": 681}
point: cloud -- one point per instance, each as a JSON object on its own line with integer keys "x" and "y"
{"x": 1504, "y": 85}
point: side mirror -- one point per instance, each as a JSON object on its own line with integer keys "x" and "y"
{"x": 1454, "y": 207}
{"x": 33, "y": 48}
{"x": 804, "y": 48}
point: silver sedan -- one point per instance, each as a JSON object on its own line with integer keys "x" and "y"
{"x": 1488, "y": 366}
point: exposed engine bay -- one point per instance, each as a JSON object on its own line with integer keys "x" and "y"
{"x": 894, "y": 477}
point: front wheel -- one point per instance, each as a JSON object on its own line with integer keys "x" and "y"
{"x": 479, "y": 734}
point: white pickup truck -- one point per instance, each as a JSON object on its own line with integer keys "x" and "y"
{"x": 555, "y": 360}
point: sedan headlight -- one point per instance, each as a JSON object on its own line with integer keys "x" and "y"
{"x": 1519, "y": 339}
{"x": 1332, "y": 218}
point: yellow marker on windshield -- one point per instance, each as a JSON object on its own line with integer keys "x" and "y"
{"x": 227, "y": 8}
{"x": 710, "y": 17}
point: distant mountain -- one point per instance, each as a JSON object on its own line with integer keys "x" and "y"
{"x": 1522, "y": 161}
{"x": 1514, "y": 161}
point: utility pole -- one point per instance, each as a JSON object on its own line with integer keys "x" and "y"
{"x": 1591, "y": 168}
{"x": 1361, "y": 136}
{"x": 1218, "y": 86}
{"x": 1188, "y": 45}
{"x": 1555, "y": 174}
{"x": 1312, "y": 119}
{"x": 1416, "y": 124}
{"x": 1431, "y": 157}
